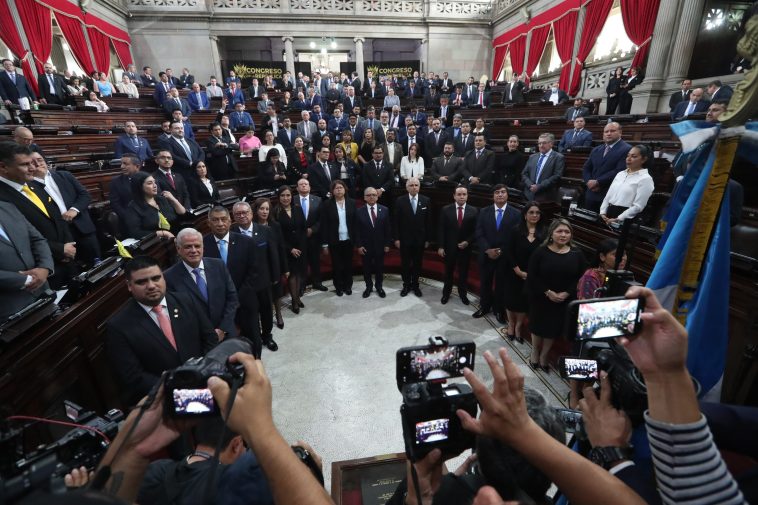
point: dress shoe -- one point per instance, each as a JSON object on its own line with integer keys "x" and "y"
{"x": 320, "y": 287}
{"x": 302, "y": 306}
{"x": 479, "y": 313}
{"x": 366, "y": 292}
{"x": 464, "y": 299}
{"x": 545, "y": 368}
{"x": 417, "y": 291}
{"x": 295, "y": 308}
{"x": 348, "y": 292}
{"x": 535, "y": 366}
{"x": 510, "y": 337}
{"x": 445, "y": 298}
{"x": 339, "y": 292}
{"x": 271, "y": 345}
{"x": 500, "y": 319}
{"x": 381, "y": 293}
{"x": 280, "y": 324}
{"x": 405, "y": 291}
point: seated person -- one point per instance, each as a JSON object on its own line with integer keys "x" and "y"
{"x": 273, "y": 173}
{"x": 575, "y": 137}
{"x": 555, "y": 95}
{"x": 249, "y": 142}
{"x": 270, "y": 144}
{"x": 150, "y": 212}
{"x": 127, "y": 87}
{"x": 630, "y": 189}
{"x": 202, "y": 189}
{"x": 94, "y": 101}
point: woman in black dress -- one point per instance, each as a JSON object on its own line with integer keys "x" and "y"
{"x": 525, "y": 239}
{"x": 614, "y": 89}
{"x": 273, "y": 173}
{"x": 290, "y": 217}
{"x": 554, "y": 269}
{"x": 202, "y": 189}
{"x": 261, "y": 208}
{"x": 150, "y": 212}
{"x": 347, "y": 169}
{"x": 366, "y": 150}
{"x": 625, "y": 98}
{"x": 512, "y": 163}
{"x": 298, "y": 160}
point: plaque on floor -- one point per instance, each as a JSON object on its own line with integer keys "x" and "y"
{"x": 367, "y": 481}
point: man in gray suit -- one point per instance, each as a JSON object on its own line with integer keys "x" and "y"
{"x": 542, "y": 174}
{"x": 25, "y": 261}
{"x": 306, "y": 128}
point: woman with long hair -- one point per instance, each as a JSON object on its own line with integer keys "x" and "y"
{"x": 525, "y": 239}
{"x": 594, "y": 277}
{"x": 512, "y": 163}
{"x": 412, "y": 165}
{"x": 299, "y": 160}
{"x": 290, "y": 216}
{"x": 367, "y": 147}
{"x": 631, "y": 188}
{"x": 350, "y": 147}
{"x": 614, "y": 89}
{"x": 202, "y": 189}
{"x": 554, "y": 269}
{"x": 149, "y": 211}
{"x": 273, "y": 173}
{"x": 347, "y": 169}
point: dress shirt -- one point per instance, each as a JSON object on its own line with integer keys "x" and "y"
{"x": 54, "y": 191}
{"x": 248, "y": 232}
{"x": 504, "y": 207}
{"x": 214, "y": 91}
{"x": 554, "y": 98}
{"x": 304, "y": 205}
{"x": 629, "y": 189}
{"x": 342, "y": 215}
{"x": 201, "y": 267}
{"x": 226, "y": 238}
{"x": 208, "y": 185}
{"x": 152, "y": 314}
{"x": 18, "y": 187}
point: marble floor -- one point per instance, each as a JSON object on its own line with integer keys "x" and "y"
{"x": 333, "y": 377}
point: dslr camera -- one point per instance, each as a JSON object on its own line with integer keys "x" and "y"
{"x": 429, "y": 406}
{"x": 186, "y": 387}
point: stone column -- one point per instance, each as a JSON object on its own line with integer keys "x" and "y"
{"x": 660, "y": 46}
{"x": 216, "y": 58}
{"x": 289, "y": 54}
{"x": 359, "y": 57}
{"x": 526, "y": 52}
{"x": 690, "y": 17}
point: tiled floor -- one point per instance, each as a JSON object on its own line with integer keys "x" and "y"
{"x": 334, "y": 374}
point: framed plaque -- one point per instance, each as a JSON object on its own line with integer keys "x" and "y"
{"x": 367, "y": 481}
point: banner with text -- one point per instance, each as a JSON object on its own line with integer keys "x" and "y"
{"x": 380, "y": 68}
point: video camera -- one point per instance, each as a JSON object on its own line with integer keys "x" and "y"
{"x": 186, "y": 387}
{"x": 22, "y": 472}
{"x": 429, "y": 406}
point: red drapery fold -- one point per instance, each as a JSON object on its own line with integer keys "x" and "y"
{"x": 536, "y": 48}
{"x": 38, "y": 26}
{"x": 517, "y": 50}
{"x": 639, "y": 21}
{"x": 594, "y": 20}
{"x": 124, "y": 52}
{"x": 11, "y": 38}
{"x": 499, "y": 61}
{"x": 73, "y": 32}
{"x": 101, "y": 48}
{"x": 564, "y": 30}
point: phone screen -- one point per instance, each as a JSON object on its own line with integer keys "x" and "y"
{"x": 428, "y": 363}
{"x": 435, "y": 430}
{"x": 579, "y": 369}
{"x": 193, "y": 402}
{"x": 609, "y": 318}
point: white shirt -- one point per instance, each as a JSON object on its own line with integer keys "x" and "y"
{"x": 208, "y": 185}
{"x": 202, "y": 271}
{"x": 52, "y": 189}
{"x": 629, "y": 189}
{"x": 410, "y": 168}
{"x": 152, "y": 314}
{"x": 264, "y": 149}
{"x": 554, "y": 97}
{"x": 342, "y": 232}
{"x": 248, "y": 232}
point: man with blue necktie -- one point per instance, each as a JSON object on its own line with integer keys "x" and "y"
{"x": 14, "y": 87}
{"x": 542, "y": 173}
{"x": 129, "y": 142}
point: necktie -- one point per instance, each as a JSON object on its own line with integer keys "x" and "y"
{"x": 307, "y": 130}
{"x": 170, "y": 177}
{"x": 412, "y": 141}
{"x": 304, "y": 205}
{"x": 326, "y": 171}
{"x": 222, "y": 250}
{"x": 249, "y": 233}
{"x": 607, "y": 149}
{"x": 690, "y": 108}
{"x": 178, "y": 103}
{"x": 199, "y": 101}
{"x": 499, "y": 218}
{"x": 377, "y": 166}
{"x": 445, "y": 163}
{"x": 478, "y": 153}
{"x": 540, "y": 164}
{"x": 201, "y": 285}
{"x": 573, "y": 137}
{"x": 464, "y": 140}
{"x": 135, "y": 141}
{"x": 373, "y": 216}
{"x": 576, "y": 111}
{"x": 52, "y": 83}
{"x": 13, "y": 77}
{"x": 165, "y": 324}
{"x": 25, "y": 189}
{"x": 481, "y": 98}
{"x": 186, "y": 148}
{"x": 460, "y": 216}
{"x": 413, "y": 204}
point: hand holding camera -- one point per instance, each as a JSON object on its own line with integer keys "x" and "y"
{"x": 605, "y": 425}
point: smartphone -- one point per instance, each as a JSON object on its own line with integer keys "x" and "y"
{"x": 429, "y": 363}
{"x": 193, "y": 402}
{"x": 572, "y": 419}
{"x": 604, "y": 318}
{"x": 579, "y": 369}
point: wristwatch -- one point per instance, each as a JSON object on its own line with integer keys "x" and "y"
{"x": 606, "y": 456}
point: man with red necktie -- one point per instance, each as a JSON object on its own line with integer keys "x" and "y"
{"x": 457, "y": 225}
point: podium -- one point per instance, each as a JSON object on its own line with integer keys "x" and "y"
{"x": 367, "y": 481}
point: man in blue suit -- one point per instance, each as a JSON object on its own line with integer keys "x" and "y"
{"x": 337, "y": 124}
{"x": 198, "y": 100}
{"x": 174, "y": 102}
{"x": 493, "y": 228}
{"x": 206, "y": 280}
{"x": 576, "y": 136}
{"x": 13, "y": 86}
{"x": 692, "y": 106}
{"x": 373, "y": 238}
{"x": 162, "y": 88}
{"x": 313, "y": 99}
{"x": 239, "y": 119}
{"x": 233, "y": 95}
{"x": 129, "y": 142}
{"x": 604, "y": 163}
{"x": 419, "y": 118}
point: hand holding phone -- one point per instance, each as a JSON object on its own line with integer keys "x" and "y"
{"x": 605, "y": 318}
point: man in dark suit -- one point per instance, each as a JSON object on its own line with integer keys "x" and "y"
{"x": 321, "y": 173}
{"x": 311, "y": 207}
{"x": 680, "y": 96}
{"x": 393, "y": 151}
{"x": 351, "y": 100}
{"x": 73, "y": 202}
{"x": 493, "y": 226}
{"x": 694, "y": 105}
{"x": 52, "y": 89}
{"x": 458, "y": 99}
{"x": 155, "y": 331}
{"x": 186, "y": 152}
{"x": 543, "y": 171}
{"x": 577, "y": 111}
{"x": 373, "y": 237}
{"x": 411, "y": 224}
{"x": 205, "y": 279}
{"x": 120, "y": 188}
{"x": 240, "y": 120}
{"x": 480, "y": 98}
{"x": 514, "y": 90}
{"x": 604, "y": 163}
{"x": 186, "y": 80}
{"x": 162, "y": 89}
{"x": 129, "y": 142}
{"x": 434, "y": 142}
{"x": 378, "y": 174}
{"x": 479, "y": 164}
{"x": 174, "y": 102}
{"x": 197, "y": 99}
{"x": 134, "y": 77}
{"x": 286, "y": 134}
{"x": 445, "y": 112}
{"x": 147, "y": 78}
{"x": 13, "y": 86}
{"x": 25, "y": 261}
{"x": 448, "y": 167}
{"x": 455, "y": 237}
{"x": 412, "y": 138}
{"x": 168, "y": 180}
{"x": 233, "y": 95}
{"x": 321, "y": 131}
{"x": 17, "y": 186}
{"x": 719, "y": 91}
{"x": 575, "y": 137}
{"x": 465, "y": 142}
{"x": 446, "y": 83}
{"x": 555, "y": 95}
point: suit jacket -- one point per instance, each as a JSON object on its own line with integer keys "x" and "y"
{"x": 53, "y": 228}
{"x": 562, "y": 96}
{"x": 330, "y": 221}
{"x": 473, "y": 100}
{"x": 271, "y": 258}
{"x": 550, "y": 178}
{"x": 583, "y": 139}
{"x": 320, "y": 183}
{"x": 452, "y": 169}
{"x": 409, "y": 228}
{"x": 348, "y": 105}
{"x": 462, "y": 148}
{"x": 222, "y": 302}
{"x": 449, "y": 234}
{"x": 604, "y": 169}
{"x": 312, "y": 128}
{"x": 284, "y": 139}
{"x": 147, "y": 80}
{"x": 263, "y": 105}
{"x": 398, "y": 156}
{"x": 336, "y": 127}
{"x": 488, "y": 236}
{"x": 580, "y": 112}
{"x": 255, "y": 91}
{"x": 234, "y": 98}
{"x": 447, "y": 117}
{"x": 198, "y": 104}
{"x": 12, "y": 92}
{"x": 61, "y": 92}
{"x": 681, "y": 108}
{"x": 134, "y": 77}
{"x": 25, "y": 249}
{"x": 243, "y": 260}
{"x": 139, "y": 351}
{"x": 199, "y": 194}
{"x": 170, "y": 105}
{"x": 120, "y": 194}
{"x": 124, "y": 144}
{"x": 179, "y": 189}
{"x": 181, "y": 162}
{"x": 517, "y": 96}
{"x": 160, "y": 93}
{"x": 75, "y": 195}
{"x": 311, "y": 101}
{"x": 677, "y": 97}
{"x": 383, "y": 177}
{"x": 185, "y": 81}
{"x": 374, "y": 237}
{"x": 433, "y": 148}
{"x": 483, "y": 168}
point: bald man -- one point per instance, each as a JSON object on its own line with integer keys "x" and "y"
{"x": 24, "y": 136}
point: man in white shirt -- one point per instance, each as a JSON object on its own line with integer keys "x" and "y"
{"x": 213, "y": 89}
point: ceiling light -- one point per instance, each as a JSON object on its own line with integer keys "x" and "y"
{"x": 334, "y": 44}
{"x": 323, "y": 50}
{"x": 312, "y": 45}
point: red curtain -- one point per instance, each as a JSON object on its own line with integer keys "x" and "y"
{"x": 11, "y": 38}
{"x": 124, "y": 53}
{"x": 73, "y": 32}
{"x": 639, "y": 21}
{"x": 517, "y": 50}
{"x": 499, "y": 61}
{"x": 101, "y": 49}
{"x": 564, "y": 30}
{"x": 594, "y": 20}
{"x": 536, "y": 48}
{"x": 38, "y": 25}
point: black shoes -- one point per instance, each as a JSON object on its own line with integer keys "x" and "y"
{"x": 405, "y": 291}
{"x": 417, "y": 291}
{"x": 445, "y": 298}
{"x": 500, "y": 318}
{"x": 479, "y": 313}
{"x": 464, "y": 299}
{"x": 320, "y": 287}
{"x": 348, "y": 292}
{"x": 366, "y": 292}
{"x": 301, "y": 304}
{"x": 381, "y": 292}
{"x": 271, "y": 345}
{"x": 339, "y": 292}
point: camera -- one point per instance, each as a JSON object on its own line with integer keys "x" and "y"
{"x": 429, "y": 406}
{"x": 186, "y": 387}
